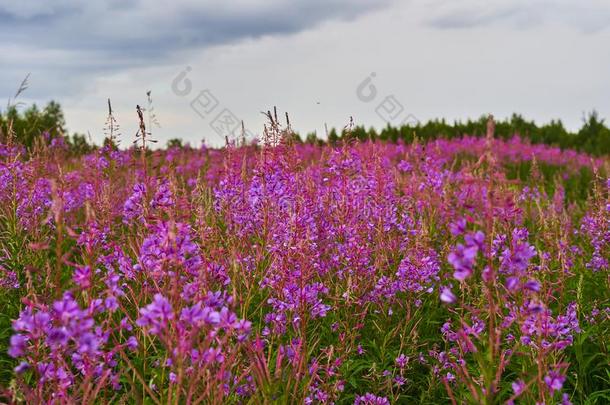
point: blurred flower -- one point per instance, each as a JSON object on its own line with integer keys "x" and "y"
{"x": 447, "y": 296}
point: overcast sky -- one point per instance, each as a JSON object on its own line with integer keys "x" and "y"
{"x": 210, "y": 64}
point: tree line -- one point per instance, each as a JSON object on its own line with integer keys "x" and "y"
{"x": 27, "y": 126}
{"x": 593, "y": 137}
{"x": 32, "y": 125}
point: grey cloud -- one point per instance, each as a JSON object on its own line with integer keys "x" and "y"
{"x": 153, "y": 29}
{"x": 109, "y": 36}
{"x": 473, "y": 18}
{"x": 585, "y": 16}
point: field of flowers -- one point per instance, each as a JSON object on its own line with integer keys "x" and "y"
{"x": 460, "y": 271}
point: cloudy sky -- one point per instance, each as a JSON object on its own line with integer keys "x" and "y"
{"x": 210, "y": 64}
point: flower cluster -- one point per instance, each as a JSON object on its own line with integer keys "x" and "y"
{"x": 70, "y": 340}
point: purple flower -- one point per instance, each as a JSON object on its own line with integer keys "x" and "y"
{"x": 163, "y": 197}
{"x": 370, "y": 399}
{"x": 67, "y": 308}
{"x": 22, "y": 367}
{"x": 404, "y": 166}
{"x": 8, "y": 279}
{"x": 475, "y": 239}
{"x": 400, "y": 381}
{"x": 518, "y": 387}
{"x": 515, "y": 260}
{"x": 401, "y": 361}
{"x": 156, "y": 315}
{"x": 459, "y": 227}
{"x": 227, "y": 318}
{"x": 512, "y": 283}
{"x": 133, "y": 207}
{"x": 132, "y": 343}
{"x": 242, "y": 327}
{"x": 88, "y": 343}
{"x": 35, "y": 324}
{"x": 554, "y": 381}
{"x": 170, "y": 244}
{"x": 532, "y": 285}
{"x": 213, "y": 355}
{"x": 58, "y": 337}
{"x": 462, "y": 259}
{"x": 415, "y": 275}
{"x": 82, "y": 276}
{"x": 17, "y": 345}
{"x": 198, "y": 315}
{"x": 111, "y": 303}
{"x": 447, "y": 296}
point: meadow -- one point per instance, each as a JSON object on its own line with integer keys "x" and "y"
{"x": 464, "y": 270}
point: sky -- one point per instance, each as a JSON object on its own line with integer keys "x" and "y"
{"x": 211, "y": 64}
